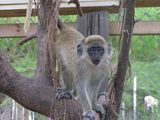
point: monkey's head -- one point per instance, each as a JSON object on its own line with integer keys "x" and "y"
{"x": 95, "y": 48}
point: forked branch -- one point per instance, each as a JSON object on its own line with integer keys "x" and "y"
{"x": 116, "y": 87}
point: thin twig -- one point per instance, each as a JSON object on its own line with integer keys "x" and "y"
{"x": 79, "y": 9}
{"x": 26, "y": 39}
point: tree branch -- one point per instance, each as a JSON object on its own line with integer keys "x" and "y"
{"x": 39, "y": 98}
{"x": 26, "y": 39}
{"x": 79, "y": 9}
{"x": 124, "y": 52}
{"x": 116, "y": 87}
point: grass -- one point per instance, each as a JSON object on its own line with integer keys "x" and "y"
{"x": 147, "y": 84}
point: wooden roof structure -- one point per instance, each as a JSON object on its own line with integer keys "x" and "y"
{"x": 16, "y": 8}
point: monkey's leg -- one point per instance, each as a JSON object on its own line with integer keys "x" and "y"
{"x": 62, "y": 93}
{"x": 83, "y": 96}
{"x": 67, "y": 83}
{"x": 98, "y": 108}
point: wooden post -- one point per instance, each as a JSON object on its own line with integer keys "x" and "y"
{"x": 94, "y": 23}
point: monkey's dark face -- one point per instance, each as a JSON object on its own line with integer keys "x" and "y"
{"x": 95, "y": 53}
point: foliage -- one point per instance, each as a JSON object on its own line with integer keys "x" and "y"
{"x": 69, "y": 18}
{"x": 21, "y": 57}
{"x": 145, "y": 48}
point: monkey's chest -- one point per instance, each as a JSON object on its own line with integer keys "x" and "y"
{"x": 96, "y": 75}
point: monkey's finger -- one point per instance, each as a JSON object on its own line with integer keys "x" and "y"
{"x": 59, "y": 93}
{"x": 88, "y": 116}
{"x": 63, "y": 94}
{"x": 68, "y": 95}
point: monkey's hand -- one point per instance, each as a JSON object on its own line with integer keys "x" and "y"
{"x": 63, "y": 94}
{"x": 89, "y": 115}
{"x": 101, "y": 111}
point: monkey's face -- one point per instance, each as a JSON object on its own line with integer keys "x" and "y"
{"x": 94, "y": 49}
{"x": 95, "y": 53}
{"x": 92, "y": 52}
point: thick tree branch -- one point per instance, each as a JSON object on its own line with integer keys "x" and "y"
{"x": 48, "y": 10}
{"x": 39, "y": 98}
{"x": 42, "y": 70}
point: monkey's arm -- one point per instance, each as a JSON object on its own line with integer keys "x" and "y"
{"x": 66, "y": 84}
{"x": 83, "y": 96}
{"x": 99, "y": 108}
{"x": 102, "y": 86}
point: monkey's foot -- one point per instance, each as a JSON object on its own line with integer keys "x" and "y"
{"x": 89, "y": 116}
{"x": 63, "y": 94}
{"x": 101, "y": 111}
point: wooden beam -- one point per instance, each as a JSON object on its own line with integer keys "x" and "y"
{"x": 15, "y": 30}
{"x": 10, "y": 8}
{"x": 16, "y": 8}
{"x": 63, "y": 11}
{"x": 148, "y": 3}
{"x": 141, "y": 28}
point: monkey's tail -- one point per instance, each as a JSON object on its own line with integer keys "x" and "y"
{"x": 28, "y": 17}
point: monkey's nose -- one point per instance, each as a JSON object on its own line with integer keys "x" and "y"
{"x": 95, "y": 62}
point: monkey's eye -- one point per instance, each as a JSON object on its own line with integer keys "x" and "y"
{"x": 96, "y": 49}
{"x": 100, "y": 50}
{"x": 79, "y": 49}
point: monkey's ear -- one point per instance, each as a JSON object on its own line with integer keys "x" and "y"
{"x": 79, "y": 49}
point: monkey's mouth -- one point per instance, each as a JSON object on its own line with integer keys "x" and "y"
{"x": 95, "y": 62}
